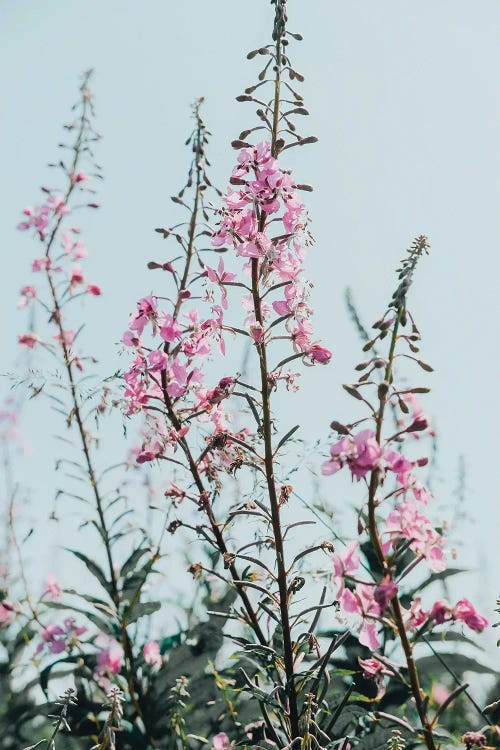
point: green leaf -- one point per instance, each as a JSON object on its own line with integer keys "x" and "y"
{"x": 141, "y": 609}
{"x": 286, "y": 437}
{"x": 93, "y": 568}
{"x": 130, "y": 564}
{"x": 171, "y": 641}
{"x": 430, "y": 665}
{"x": 45, "y": 673}
{"x": 107, "y": 626}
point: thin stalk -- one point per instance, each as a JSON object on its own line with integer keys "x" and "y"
{"x": 376, "y": 541}
{"x": 174, "y": 419}
{"x": 133, "y": 683}
{"x": 288, "y": 654}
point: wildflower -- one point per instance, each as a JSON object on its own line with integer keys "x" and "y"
{"x": 152, "y": 655}
{"x": 30, "y": 340}
{"x": 464, "y": 611}
{"x": 52, "y": 588}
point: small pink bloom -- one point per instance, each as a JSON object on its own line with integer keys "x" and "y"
{"x": 93, "y": 289}
{"x": 319, "y": 354}
{"x": 52, "y": 588}
{"x": 220, "y": 741}
{"x": 152, "y": 655}
{"x": 77, "y": 276}
{"x": 345, "y": 564}
{"x": 67, "y": 337}
{"x": 417, "y": 616}
{"x": 110, "y": 657}
{"x": 257, "y": 332}
{"x": 29, "y": 340}
{"x": 464, "y": 611}
{"x": 40, "y": 264}
{"x": 28, "y": 293}
{"x": 79, "y": 177}
{"x": 440, "y": 611}
{"x": 373, "y": 669}
{"x": 58, "y": 205}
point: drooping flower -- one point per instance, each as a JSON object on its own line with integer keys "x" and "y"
{"x": 465, "y": 612}
{"x": 30, "y": 340}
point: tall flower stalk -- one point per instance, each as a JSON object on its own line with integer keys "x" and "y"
{"x": 263, "y": 222}
{"x": 65, "y": 282}
{"x": 403, "y": 539}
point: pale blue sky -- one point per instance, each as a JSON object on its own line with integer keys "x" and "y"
{"x": 404, "y": 98}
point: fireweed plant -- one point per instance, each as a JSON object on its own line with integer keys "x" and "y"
{"x": 265, "y": 661}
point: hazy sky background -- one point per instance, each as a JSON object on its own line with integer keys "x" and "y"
{"x": 404, "y": 99}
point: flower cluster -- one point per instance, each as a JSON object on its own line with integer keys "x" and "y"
{"x": 362, "y": 454}
{"x": 369, "y": 602}
{"x": 169, "y": 375}
{"x": 57, "y": 638}
{"x": 63, "y": 273}
{"x": 266, "y": 196}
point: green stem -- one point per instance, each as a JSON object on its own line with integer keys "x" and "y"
{"x": 288, "y": 654}
{"x": 376, "y": 541}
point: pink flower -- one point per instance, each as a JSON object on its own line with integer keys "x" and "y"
{"x": 345, "y": 564}
{"x": 361, "y": 453}
{"x": 373, "y": 669}
{"x": 441, "y": 611}
{"x": 361, "y": 602}
{"x": 93, "y": 289}
{"x": 52, "y": 588}
{"x": 110, "y": 657}
{"x": 417, "y": 616}
{"x": 464, "y": 611}
{"x": 40, "y": 264}
{"x": 27, "y": 294}
{"x": 406, "y": 522}
{"x": 58, "y": 205}
{"x": 169, "y": 328}
{"x": 79, "y": 177}
{"x": 439, "y": 693}
{"x": 220, "y": 277}
{"x": 221, "y": 741}
{"x": 77, "y": 276}
{"x": 29, "y": 340}
{"x": 146, "y": 310}
{"x": 319, "y": 354}
{"x": 58, "y": 639}
{"x": 152, "y": 655}
{"x": 67, "y": 337}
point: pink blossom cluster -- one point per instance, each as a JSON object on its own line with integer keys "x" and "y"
{"x": 362, "y": 454}
{"x": 171, "y": 345}
{"x": 43, "y": 218}
{"x": 266, "y": 196}
{"x": 171, "y": 377}
{"x": 57, "y": 638}
{"x": 109, "y": 660}
{"x": 369, "y": 602}
{"x": 64, "y": 273}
